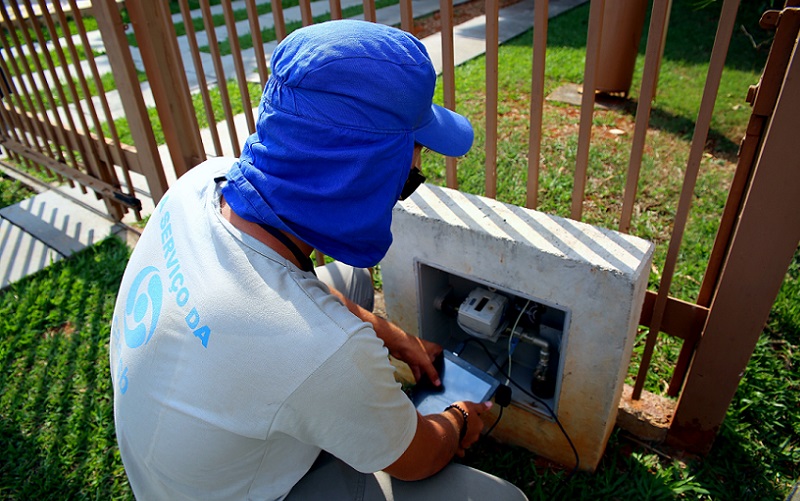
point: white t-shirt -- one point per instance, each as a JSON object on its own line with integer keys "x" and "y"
{"x": 232, "y": 368}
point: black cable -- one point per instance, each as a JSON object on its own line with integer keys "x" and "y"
{"x": 491, "y": 428}
{"x": 537, "y": 399}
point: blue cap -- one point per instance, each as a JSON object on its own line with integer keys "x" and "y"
{"x": 336, "y": 128}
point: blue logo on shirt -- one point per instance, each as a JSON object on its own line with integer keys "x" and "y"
{"x": 143, "y": 307}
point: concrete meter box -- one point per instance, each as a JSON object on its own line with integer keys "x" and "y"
{"x": 548, "y": 305}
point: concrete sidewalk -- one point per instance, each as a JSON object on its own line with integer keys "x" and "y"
{"x": 59, "y": 222}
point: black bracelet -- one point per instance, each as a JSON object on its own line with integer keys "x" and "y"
{"x": 465, "y": 415}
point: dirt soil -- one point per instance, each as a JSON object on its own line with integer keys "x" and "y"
{"x": 461, "y": 13}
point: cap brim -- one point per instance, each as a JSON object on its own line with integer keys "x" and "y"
{"x": 448, "y": 133}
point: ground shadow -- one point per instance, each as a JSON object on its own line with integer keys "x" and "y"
{"x": 690, "y": 34}
{"x": 690, "y": 40}
{"x": 716, "y": 143}
{"x": 729, "y": 471}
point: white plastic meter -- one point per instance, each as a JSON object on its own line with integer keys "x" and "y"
{"x": 481, "y": 314}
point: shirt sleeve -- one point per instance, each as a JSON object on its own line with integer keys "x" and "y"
{"x": 353, "y": 407}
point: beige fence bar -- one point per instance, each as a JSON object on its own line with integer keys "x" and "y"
{"x": 655, "y": 46}
{"x": 540, "y": 19}
{"x": 258, "y": 42}
{"x": 104, "y": 162}
{"x": 87, "y": 153}
{"x": 109, "y": 22}
{"x": 113, "y": 148}
{"x": 716, "y": 65}
{"x": 49, "y": 94}
{"x": 492, "y": 64}
{"x": 305, "y": 12}
{"x": 128, "y": 152}
{"x": 15, "y": 122}
{"x": 369, "y": 11}
{"x": 763, "y": 246}
{"x": 47, "y": 128}
{"x": 278, "y": 21}
{"x": 587, "y": 106}
{"x": 117, "y": 156}
{"x": 199, "y": 71}
{"x": 158, "y": 46}
{"x": 21, "y": 90}
{"x": 219, "y": 71}
{"x": 448, "y": 79}
{"x": 75, "y": 143}
{"x": 238, "y": 64}
{"x": 406, "y": 16}
{"x": 763, "y": 99}
{"x": 22, "y": 138}
{"x": 336, "y": 9}
{"x": 10, "y": 122}
{"x": 10, "y": 125}
{"x": 106, "y": 190}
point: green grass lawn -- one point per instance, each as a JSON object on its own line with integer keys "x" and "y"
{"x": 56, "y": 425}
{"x": 56, "y": 419}
{"x": 12, "y": 191}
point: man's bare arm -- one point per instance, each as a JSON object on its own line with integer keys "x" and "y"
{"x": 437, "y": 441}
{"x": 417, "y": 353}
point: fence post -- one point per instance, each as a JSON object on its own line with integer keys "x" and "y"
{"x": 152, "y": 25}
{"x": 109, "y": 22}
{"x": 762, "y": 248}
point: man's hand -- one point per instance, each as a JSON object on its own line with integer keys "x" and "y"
{"x": 437, "y": 441}
{"x": 419, "y": 354}
{"x": 474, "y": 422}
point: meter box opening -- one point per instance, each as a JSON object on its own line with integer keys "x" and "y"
{"x": 551, "y": 302}
{"x": 510, "y": 336}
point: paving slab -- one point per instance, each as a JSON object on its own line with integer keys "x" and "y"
{"x": 45, "y": 228}
{"x": 21, "y": 254}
